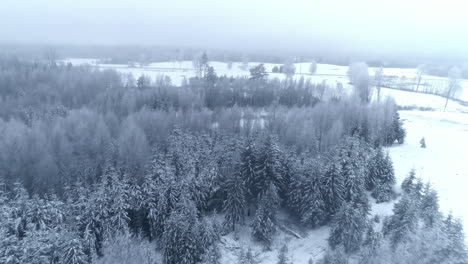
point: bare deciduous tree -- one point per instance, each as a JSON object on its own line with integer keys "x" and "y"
{"x": 313, "y": 67}
{"x": 453, "y": 87}
{"x": 421, "y": 70}
{"x": 358, "y": 73}
{"x": 378, "y": 77}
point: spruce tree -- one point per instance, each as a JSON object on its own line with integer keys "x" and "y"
{"x": 408, "y": 183}
{"x": 247, "y": 168}
{"x": 234, "y": 206}
{"x": 403, "y": 221}
{"x": 179, "y": 239}
{"x": 337, "y": 256}
{"x": 248, "y": 257}
{"x": 306, "y": 198}
{"x": 349, "y": 225}
{"x": 333, "y": 187}
{"x": 456, "y": 247}
{"x": 264, "y": 224}
{"x": 381, "y": 177}
{"x": 268, "y": 169}
{"x": 398, "y": 130}
{"x": 429, "y": 207}
{"x": 283, "y": 255}
{"x": 73, "y": 252}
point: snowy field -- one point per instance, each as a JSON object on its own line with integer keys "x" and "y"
{"x": 444, "y": 163}
{"x": 331, "y": 74}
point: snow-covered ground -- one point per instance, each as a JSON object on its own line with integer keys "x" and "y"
{"x": 444, "y": 163}
{"x": 312, "y": 244}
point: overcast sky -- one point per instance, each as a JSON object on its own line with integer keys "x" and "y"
{"x": 423, "y": 26}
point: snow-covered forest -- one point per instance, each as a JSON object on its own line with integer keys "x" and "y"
{"x": 233, "y": 132}
{"x": 97, "y": 167}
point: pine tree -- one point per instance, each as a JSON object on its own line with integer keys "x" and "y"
{"x": 456, "y": 248}
{"x": 248, "y": 165}
{"x": 398, "y": 130}
{"x": 264, "y": 224}
{"x": 429, "y": 207}
{"x": 248, "y": 257}
{"x": 180, "y": 239}
{"x": 73, "y": 252}
{"x": 376, "y": 170}
{"x": 423, "y": 142}
{"x": 371, "y": 245}
{"x": 408, "y": 183}
{"x": 383, "y": 191}
{"x": 353, "y": 160}
{"x": 234, "y": 206}
{"x": 207, "y": 233}
{"x": 282, "y": 256}
{"x": 306, "y": 198}
{"x": 348, "y": 228}
{"x": 333, "y": 187}
{"x": 403, "y": 221}
{"x": 337, "y": 256}
{"x": 268, "y": 169}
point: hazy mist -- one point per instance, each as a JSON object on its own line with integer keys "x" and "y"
{"x": 371, "y": 27}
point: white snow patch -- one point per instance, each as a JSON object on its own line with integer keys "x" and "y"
{"x": 444, "y": 163}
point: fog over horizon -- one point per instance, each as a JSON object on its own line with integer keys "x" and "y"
{"x": 417, "y": 28}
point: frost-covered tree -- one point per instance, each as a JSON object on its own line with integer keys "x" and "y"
{"x": 371, "y": 244}
{"x": 420, "y": 71}
{"x": 456, "y": 247}
{"x": 289, "y": 69}
{"x": 73, "y": 252}
{"x": 179, "y": 239}
{"x": 453, "y": 87}
{"x": 235, "y": 204}
{"x": 403, "y": 221}
{"x": 429, "y": 207}
{"x": 200, "y": 63}
{"x": 306, "y": 198}
{"x": 381, "y": 177}
{"x": 125, "y": 249}
{"x": 258, "y": 72}
{"x": 378, "y": 78}
{"x": 359, "y": 75}
{"x": 348, "y": 228}
{"x": 313, "y": 67}
{"x": 333, "y": 187}
{"x": 244, "y": 63}
{"x": 248, "y": 257}
{"x": 408, "y": 183}
{"x": 337, "y": 256}
{"x": 264, "y": 224}
{"x": 269, "y": 169}
{"x": 283, "y": 255}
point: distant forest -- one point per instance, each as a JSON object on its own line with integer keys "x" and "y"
{"x": 146, "y": 54}
{"x": 96, "y": 167}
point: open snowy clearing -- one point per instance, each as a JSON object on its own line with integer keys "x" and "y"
{"x": 443, "y": 163}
